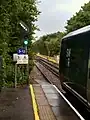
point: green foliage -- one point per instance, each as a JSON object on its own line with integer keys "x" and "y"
{"x": 48, "y": 44}
{"x": 81, "y": 19}
{"x": 11, "y": 34}
{"x": 22, "y": 77}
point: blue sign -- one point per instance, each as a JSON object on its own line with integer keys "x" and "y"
{"x": 21, "y": 51}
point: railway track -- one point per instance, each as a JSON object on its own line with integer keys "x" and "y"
{"x": 54, "y": 69}
{"x": 47, "y": 61}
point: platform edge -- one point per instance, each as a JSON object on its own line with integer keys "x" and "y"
{"x": 35, "y": 108}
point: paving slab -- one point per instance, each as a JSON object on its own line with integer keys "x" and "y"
{"x": 44, "y": 109}
{"x": 60, "y": 108}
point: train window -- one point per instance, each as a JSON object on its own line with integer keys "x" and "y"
{"x": 73, "y": 63}
{"x": 77, "y": 62}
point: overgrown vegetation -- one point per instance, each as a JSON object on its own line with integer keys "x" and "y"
{"x": 80, "y": 19}
{"x": 11, "y": 34}
{"x": 50, "y": 44}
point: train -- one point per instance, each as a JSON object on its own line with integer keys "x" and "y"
{"x": 74, "y": 64}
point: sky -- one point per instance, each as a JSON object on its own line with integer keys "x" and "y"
{"x": 55, "y": 13}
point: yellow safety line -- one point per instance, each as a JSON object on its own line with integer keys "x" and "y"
{"x": 34, "y": 103}
{"x": 50, "y": 59}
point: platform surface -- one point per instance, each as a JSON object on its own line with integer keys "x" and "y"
{"x": 19, "y": 104}
{"x": 16, "y": 104}
{"x": 51, "y": 105}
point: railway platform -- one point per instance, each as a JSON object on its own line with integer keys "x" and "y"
{"x": 40, "y": 101}
{"x": 37, "y": 102}
{"x": 50, "y": 105}
{"x": 16, "y": 104}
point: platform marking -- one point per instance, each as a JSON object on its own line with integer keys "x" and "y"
{"x": 77, "y": 113}
{"x": 47, "y": 57}
{"x": 34, "y": 103}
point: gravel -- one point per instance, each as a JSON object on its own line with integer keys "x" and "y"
{"x": 36, "y": 76}
{"x": 50, "y": 76}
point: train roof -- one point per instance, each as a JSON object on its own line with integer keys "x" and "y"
{"x": 79, "y": 31}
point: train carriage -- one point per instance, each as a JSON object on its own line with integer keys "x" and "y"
{"x": 74, "y": 65}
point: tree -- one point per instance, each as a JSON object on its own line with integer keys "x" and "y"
{"x": 11, "y": 13}
{"x": 48, "y": 44}
{"x": 80, "y": 19}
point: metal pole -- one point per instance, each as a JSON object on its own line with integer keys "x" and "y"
{"x": 15, "y": 75}
{"x": 27, "y": 74}
{"x": 26, "y": 48}
{"x": 27, "y": 68}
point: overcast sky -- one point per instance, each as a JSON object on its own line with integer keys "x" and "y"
{"x": 55, "y": 13}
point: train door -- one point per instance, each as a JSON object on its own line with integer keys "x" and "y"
{"x": 64, "y": 65}
{"x": 75, "y": 70}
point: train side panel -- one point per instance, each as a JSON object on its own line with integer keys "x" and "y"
{"x": 74, "y": 65}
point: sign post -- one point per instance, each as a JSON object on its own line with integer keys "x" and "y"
{"x": 20, "y": 59}
{"x": 23, "y": 60}
{"x": 15, "y": 60}
{"x": 15, "y": 75}
{"x": 22, "y": 54}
